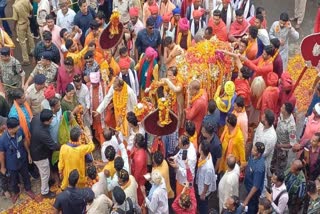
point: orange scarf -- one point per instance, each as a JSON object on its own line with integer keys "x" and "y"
{"x": 202, "y": 162}
{"x": 189, "y": 40}
{"x": 126, "y": 185}
{"x": 23, "y": 121}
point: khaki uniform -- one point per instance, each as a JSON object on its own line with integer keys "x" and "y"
{"x": 50, "y": 72}
{"x": 11, "y": 74}
{"x": 34, "y": 98}
{"x": 21, "y": 11}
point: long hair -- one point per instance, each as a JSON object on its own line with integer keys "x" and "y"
{"x": 258, "y": 86}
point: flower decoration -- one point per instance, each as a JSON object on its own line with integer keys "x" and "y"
{"x": 205, "y": 62}
{"x": 295, "y": 66}
{"x": 114, "y": 21}
{"x": 164, "y": 112}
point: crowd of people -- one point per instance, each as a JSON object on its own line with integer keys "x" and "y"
{"x": 81, "y": 98}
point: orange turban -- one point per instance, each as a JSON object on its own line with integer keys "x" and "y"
{"x": 184, "y": 24}
{"x": 50, "y": 92}
{"x": 197, "y": 13}
{"x": 153, "y": 9}
{"x": 134, "y": 11}
{"x": 166, "y": 17}
{"x": 286, "y": 81}
{"x": 272, "y": 79}
{"x": 124, "y": 63}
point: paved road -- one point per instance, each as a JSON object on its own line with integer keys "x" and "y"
{"x": 273, "y": 8}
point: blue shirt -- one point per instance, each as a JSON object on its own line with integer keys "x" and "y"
{"x": 314, "y": 101}
{"x": 144, "y": 40}
{"x": 14, "y": 113}
{"x": 83, "y": 22}
{"x": 213, "y": 119}
{"x": 11, "y": 146}
{"x": 255, "y": 173}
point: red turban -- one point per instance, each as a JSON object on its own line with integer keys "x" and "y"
{"x": 166, "y": 17}
{"x": 226, "y": 1}
{"x": 124, "y": 62}
{"x": 197, "y": 13}
{"x": 286, "y": 81}
{"x": 50, "y": 92}
{"x": 272, "y": 79}
{"x": 153, "y": 9}
{"x": 134, "y": 11}
{"x": 184, "y": 24}
{"x": 151, "y": 53}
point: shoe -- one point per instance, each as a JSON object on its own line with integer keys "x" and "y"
{"x": 26, "y": 63}
{"x": 51, "y": 182}
{"x": 297, "y": 26}
{"x": 14, "y": 198}
{"x": 49, "y": 195}
{"x": 31, "y": 194}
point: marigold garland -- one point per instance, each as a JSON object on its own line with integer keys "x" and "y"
{"x": 114, "y": 21}
{"x": 120, "y": 99}
{"x": 205, "y": 62}
{"x": 295, "y": 66}
{"x": 164, "y": 110}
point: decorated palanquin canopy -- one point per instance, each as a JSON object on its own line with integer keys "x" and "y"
{"x": 111, "y": 36}
{"x": 204, "y": 61}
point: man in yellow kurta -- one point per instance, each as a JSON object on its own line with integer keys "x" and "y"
{"x": 75, "y": 54}
{"x": 72, "y": 156}
{"x": 232, "y": 143}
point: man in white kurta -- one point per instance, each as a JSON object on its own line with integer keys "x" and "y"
{"x": 283, "y": 30}
{"x": 229, "y": 183}
{"x": 131, "y": 102}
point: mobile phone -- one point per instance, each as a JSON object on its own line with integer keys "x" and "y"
{"x": 184, "y": 154}
{"x": 268, "y": 189}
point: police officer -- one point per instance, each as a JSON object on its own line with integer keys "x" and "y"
{"x": 45, "y": 66}
{"x": 12, "y": 74}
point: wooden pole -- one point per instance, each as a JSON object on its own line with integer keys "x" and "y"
{"x": 299, "y": 79}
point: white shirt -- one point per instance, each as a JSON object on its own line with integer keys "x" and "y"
{"x": 159, "y": 200}
{"x": 42, "y": 12}
{"x": 113, "y": 142}
{"x": 100, "y": 205}
{"x": 228, "y": 186}
{"x": 283, "y": 200}
{"x": 181, "y": 172}
{"x": 83, "y": 96}
{"x": 66, "y": 21}
{"x": 206, "y": 176}
{"x": 131, "y": 102}
{"x": 130, "y": 141}
{"x": 269, "y": 138}
{"x": 100, "y": 187}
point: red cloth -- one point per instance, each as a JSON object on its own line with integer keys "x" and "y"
{"x": 154, "y": 9}
{"x": 269, "y": 99}
{"x": 158, "y": 145}
{"x": 50, "y": 92}
{"x": 197, "y": 111}
{"x": 286, "y": 81}
{"x": 263, "y": 24}
{"x": 166, "y": 17}
{"x": 262, "y": 70}
{"x": 317, "y": 22}
{"x": 134, "y": 11}
{"x": 64, "y": 78}
{"x": 272, "y": 79}
{"x": 197, "y": 13}
{"x": 237, "y": 29}
{"x": 243, "y": 89}
{"x": 219, "y": 30}
{"x": 138, "y": 169}
{"x": 284, "y": 98}
{"x": 124, "y": 62}
{"x": 176, "y": 207}
{"x": 184, "y": 5}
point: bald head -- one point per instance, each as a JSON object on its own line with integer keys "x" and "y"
{"x": 194, "y": 87}
{"x": 296, "y": 166}
{"x": 231, "y": 162}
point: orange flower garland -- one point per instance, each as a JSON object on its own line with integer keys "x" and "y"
{"x": 295, "y": 66}
{"x": 164, "y": 110}
{"x": 120, "y": 99}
